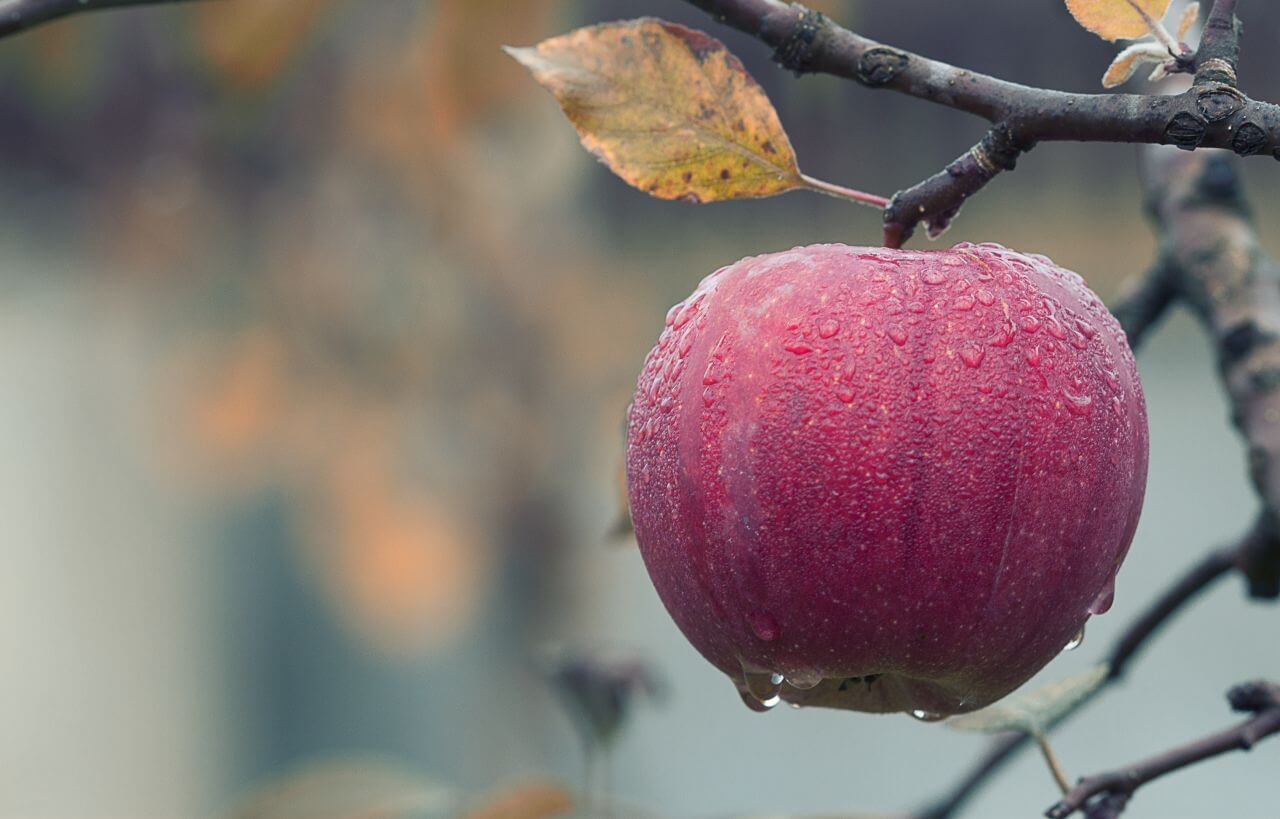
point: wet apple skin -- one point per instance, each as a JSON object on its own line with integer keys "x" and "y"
{"x": 900, "y": 479}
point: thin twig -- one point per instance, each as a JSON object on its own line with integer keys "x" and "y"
{"x": 1122, "y": 782}
{"x": 19, "y": 15}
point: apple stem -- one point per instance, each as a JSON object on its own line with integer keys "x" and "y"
{"x": 841, "y": 192}
{"x": 1051, "y": 759}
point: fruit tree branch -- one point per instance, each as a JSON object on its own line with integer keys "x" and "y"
{"x": 19, "y": 15}
{"x": 1103, "y": 796}
{"x": 1212, "y": 113}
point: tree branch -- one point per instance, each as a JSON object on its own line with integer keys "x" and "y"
{"x": 1210, "y": 114}
{"x": 19, "y": 15}
{"x": 1219, "y": 45}
{"x": 1104, "y": 796}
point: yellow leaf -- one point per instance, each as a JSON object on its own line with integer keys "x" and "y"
{"x": 1118, "y": 19}
{"x": 1189, "y": 16}
{"x": 668, "y": 109}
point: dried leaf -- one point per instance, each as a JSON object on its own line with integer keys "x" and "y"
{"x": 1117, "y": 19}
{"x": 1189, "y": 17}
{"x": 1034, "y": 712}
{"x": 1127, "y": 63}
{"x": 668, "y": 109}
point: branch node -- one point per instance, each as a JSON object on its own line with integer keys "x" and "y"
{"x": 1255, "y": 696}
{"x": 1216, "y": 69}
{"x": 878, "y": 66}
{"x": 1218, "y": 101}
{"x": 1185, "y": 130}
{"x": 795, "y": 53}
{"x": 1250, "y": 139}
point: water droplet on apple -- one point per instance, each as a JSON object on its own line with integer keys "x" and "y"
{"x": 927, "y": 716}
{"x": 1075, "y": 641}
{"x": 764, "y": 626}
{"x": 828, "y": 328}
{"x": 972, "y": 356}
{"x": 803, "y": 680}
{"x": 1080, "y": 405}
{"x": 1102, "y": 603}
{"x": 765, "y": 687}
{"x": 898, "y": 335}
{"x": 751, "y": 702}
{"x": 933, "y": 275}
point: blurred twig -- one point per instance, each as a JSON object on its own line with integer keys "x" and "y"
{"x": 1105, "y": 795}
{"x": 19, "y": 15}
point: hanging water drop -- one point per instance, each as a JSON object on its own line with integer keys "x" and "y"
{"x": 749, "y": 700}
{"x": 1102, "y": 603}
{"x": 763, "y": 686}
{"x": 927, "y": 716}
{"x": 804, "y": 680}
{"x": 1075, "y": 641}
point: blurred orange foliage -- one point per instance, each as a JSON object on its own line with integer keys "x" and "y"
{"x": 249, "y": 42}
{"x": 531, "y": 800}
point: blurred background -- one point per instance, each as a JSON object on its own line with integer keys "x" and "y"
{"x": 317, "y": 328}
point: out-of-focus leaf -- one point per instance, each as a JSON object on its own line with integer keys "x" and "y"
{"x": 532, "y": 800}
{"x": 248, "y": 43}
{"x": 1118, "y": 19}
{"x": 1189, "y": 16}
{"x": 668, "y": 109}
{"x": 462, "y": 89}
{"x": 353, "y": 788}
{"x": 407, "y": 574}
{"x": 1033, "y": 712}
{"x": 1127, "y": 62}
{"x": 598, "y": 691}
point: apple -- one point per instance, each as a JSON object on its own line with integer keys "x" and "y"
{"x": 886, "y": 480}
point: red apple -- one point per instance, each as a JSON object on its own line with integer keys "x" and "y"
{"x": 886, "y": 480}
